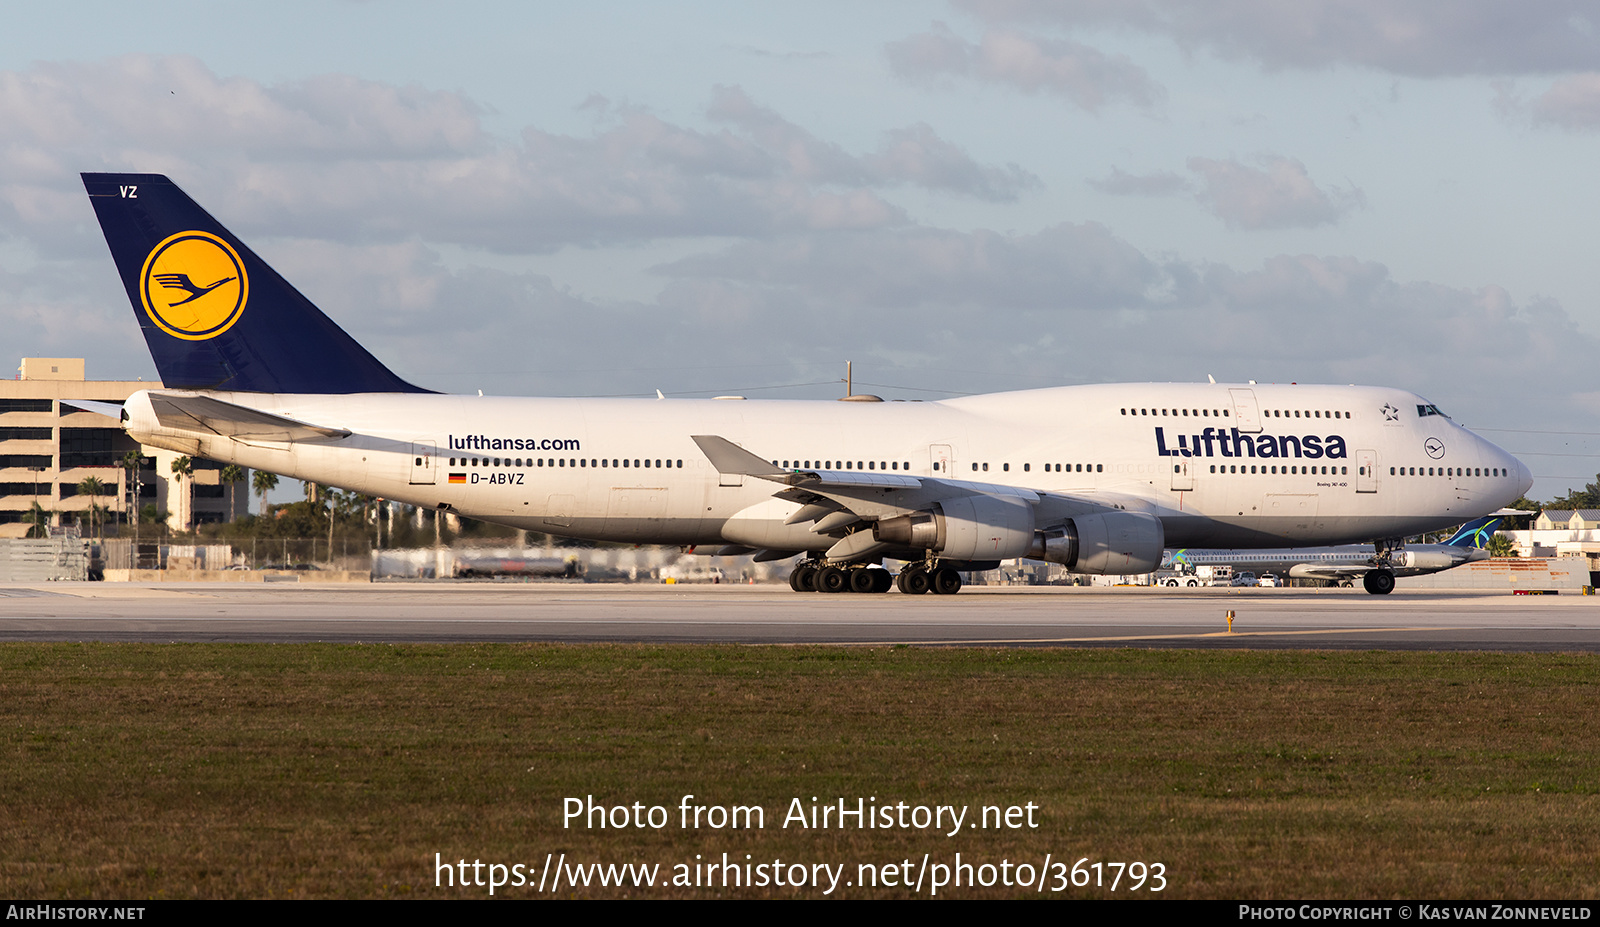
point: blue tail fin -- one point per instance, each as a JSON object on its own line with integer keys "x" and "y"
{"x": 214, "y": 314}
{"x": 1474, "y": 533}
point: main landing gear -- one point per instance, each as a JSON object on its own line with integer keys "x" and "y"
{"x": 814, "y": 577}
{"x": 1378, "y": 582}
{"x": 915, "y": 579}
{"x": 1380, "y": 579}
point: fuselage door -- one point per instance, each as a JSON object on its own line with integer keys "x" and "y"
{"x": 422, "y": 463}
{"x": 1366, "y": 471}
{"x": 943, "y": 461}
{"x": 1182, "y": 475}
{"x": 1245, "y": 416}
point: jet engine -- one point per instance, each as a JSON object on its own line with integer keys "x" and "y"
{"x": 1109, "y": 543}
{"x": 977, "y": 527}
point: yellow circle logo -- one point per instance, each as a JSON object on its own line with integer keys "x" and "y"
{"x": 194, "y": 286}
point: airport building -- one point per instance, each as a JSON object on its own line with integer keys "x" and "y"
{"x": 48, "y": 449}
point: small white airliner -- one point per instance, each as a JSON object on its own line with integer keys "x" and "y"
{"x": 1348, "y": 562}
{"x": 1098, "y": 478}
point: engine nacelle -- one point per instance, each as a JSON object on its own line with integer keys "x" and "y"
{"x": 978, "y": 527}
{"x": 1113, "y": 543}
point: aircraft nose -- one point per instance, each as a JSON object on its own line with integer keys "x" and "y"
{"x": 1524, "y": 477}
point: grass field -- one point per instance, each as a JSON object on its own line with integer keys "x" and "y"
{"x": 260, "y": 771}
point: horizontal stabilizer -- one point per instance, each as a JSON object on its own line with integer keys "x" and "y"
{"x": 203, "y": 413}
{"x": 108, "y": 409}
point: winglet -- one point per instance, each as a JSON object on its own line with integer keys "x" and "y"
{"x": 728, "y": 457}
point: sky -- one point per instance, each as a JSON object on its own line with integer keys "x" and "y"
{"x": 958, "y": 197}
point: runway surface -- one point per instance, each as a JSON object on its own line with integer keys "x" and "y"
{"x": 997, "y": 616}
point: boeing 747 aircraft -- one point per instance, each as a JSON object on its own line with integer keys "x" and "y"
{"x": 1098, "y": 478}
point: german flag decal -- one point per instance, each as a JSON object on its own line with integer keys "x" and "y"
{"x": 458, "y": 477}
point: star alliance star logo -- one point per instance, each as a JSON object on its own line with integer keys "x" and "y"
{"x": 1390, "y": 413}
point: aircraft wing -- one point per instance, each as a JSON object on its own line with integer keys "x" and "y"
{"x": 839, "y": 502}
{"x": 871, "y": 494}
{"x": 205, "y": 414}
{"x": 1329, "y": 571}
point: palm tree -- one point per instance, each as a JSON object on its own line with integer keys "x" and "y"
{"x": 263, "y": 483}
{"x": 39, "y": 519}
{"x": 182, "y": 467}
{"x": 133, "y": 462}
{"x": 92, "y": 487}
{"x": 231, "y": 474}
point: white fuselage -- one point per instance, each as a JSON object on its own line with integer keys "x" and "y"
{"x": 1238, "y": 466}
{"x": 1345, "y": 561}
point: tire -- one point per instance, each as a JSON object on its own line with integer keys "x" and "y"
{"x": 914, "y": 582}
{"x": 863, "y": 581}
{"x": 803, "y": 579}
{"x": 946, "y": 581}
{"x": 881, "y": 580}
{"x": 832, "y": 579}
{"x": 1378, "y": 582}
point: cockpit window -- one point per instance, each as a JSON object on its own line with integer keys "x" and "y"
{"x": 1423, "y": 411}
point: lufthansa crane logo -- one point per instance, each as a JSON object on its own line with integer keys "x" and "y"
{"x": 1434, "y": 447}
{"x": 194, "y": 286}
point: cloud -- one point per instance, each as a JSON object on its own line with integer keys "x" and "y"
{"x": 1159, "y": 183}
{"x": 1419, "y": 38}
{"x": 360, "y": 160}
{"x": 1274, "y": 193}
{"x": 912, "y": 155}
{"x": 1277, "y": 194}
{"x": 1087, "y": 77}
{"x": 1060, "y": 269}
{"x": 1572, "y": 102}
{"x": 1076, "y": 304}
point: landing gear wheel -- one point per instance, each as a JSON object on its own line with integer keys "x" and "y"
{"x": 863, "y": 581}
{"x": 881, "y": 580}
{"x": 804, "y": 578}
{"x": 913, "y": 582}
{"x": 946, "y": 581}
{"x": 1378, "y": 582}
{"x": 832, "y": 579}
